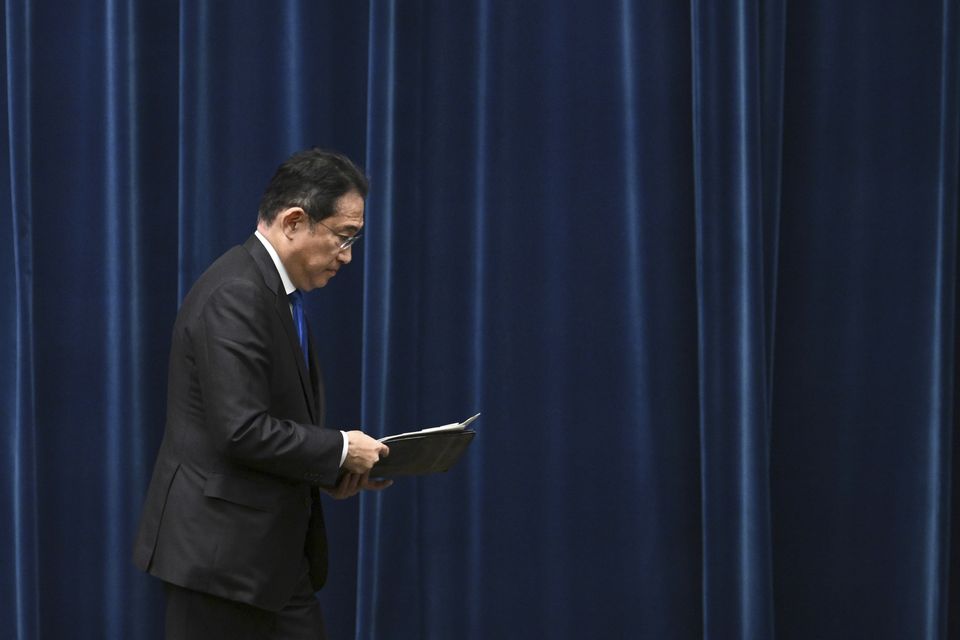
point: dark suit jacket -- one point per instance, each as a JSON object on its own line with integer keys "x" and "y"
{"x": 228, "y": 510}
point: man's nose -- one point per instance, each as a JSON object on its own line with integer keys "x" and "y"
{"x": 345, "y": 255}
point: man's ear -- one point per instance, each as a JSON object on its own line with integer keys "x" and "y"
{"x": 292, "y": 220}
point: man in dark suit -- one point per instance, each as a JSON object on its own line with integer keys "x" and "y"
{"x": 232, "y": 521}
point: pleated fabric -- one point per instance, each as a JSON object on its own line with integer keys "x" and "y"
{"x": 695, "y": 263}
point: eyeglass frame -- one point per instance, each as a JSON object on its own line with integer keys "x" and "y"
{"x": 345, "y": 241}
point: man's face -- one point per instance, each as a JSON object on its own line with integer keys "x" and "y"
{"x": 315, "y": 255}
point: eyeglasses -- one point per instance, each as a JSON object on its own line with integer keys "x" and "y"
{"x": 345, "y": 241}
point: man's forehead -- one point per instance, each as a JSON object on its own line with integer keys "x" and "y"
{"x": 349, "y": 211}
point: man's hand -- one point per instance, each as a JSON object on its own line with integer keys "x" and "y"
{"x": 353, "y": 483}
{"x": 363, "y": 452}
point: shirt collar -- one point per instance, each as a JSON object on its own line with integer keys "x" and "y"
{"x": 284, "y": 278}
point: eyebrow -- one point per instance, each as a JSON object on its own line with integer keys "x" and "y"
{"x": 351, "y": 229}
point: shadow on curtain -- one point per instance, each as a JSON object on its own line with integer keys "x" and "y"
{"x": 696, "y": 265}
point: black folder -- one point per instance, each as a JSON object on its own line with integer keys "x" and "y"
{"x": 423, "y": 452}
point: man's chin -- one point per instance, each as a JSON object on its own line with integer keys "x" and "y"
{"x": 314, "y": 285}
{"x": 323, "y": 280}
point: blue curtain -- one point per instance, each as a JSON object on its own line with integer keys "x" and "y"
{"x": 696, "y": 263}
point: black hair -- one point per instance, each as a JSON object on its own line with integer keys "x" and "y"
{"x": 313, "y": 180}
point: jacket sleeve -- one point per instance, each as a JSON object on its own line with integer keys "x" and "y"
{"x": 235, "y": 344}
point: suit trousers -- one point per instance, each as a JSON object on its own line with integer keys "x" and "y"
{"x": 193, "y": 615}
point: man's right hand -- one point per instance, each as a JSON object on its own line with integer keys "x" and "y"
{"x": 363, "y": 452}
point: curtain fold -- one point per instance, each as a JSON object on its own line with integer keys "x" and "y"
{"x": 939, "y": 592}
{"x": 20, "y": 586}
{"x": 860, "y": 436}
{"x": 384, "y": 148}
{"x": 733, "y": 311}
{"x": 695, "y": 263}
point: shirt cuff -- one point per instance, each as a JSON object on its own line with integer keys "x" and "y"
{"x": 346, "y": 442}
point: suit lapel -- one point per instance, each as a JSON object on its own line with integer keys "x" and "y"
{"x": 316, "y": 380}
{"x": 283, "y": 310}
{"x": 282, "y": 306}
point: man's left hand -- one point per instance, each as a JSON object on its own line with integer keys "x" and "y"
{"x": 353, "y": 483}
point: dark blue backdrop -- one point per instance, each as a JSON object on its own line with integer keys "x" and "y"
{"x": 695, "y": 262}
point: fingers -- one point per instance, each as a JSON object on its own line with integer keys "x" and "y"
{"x": 352, "y": 483}
{"x": 378, "y": 485}
{"x": 348, "y": 486}
{"x": 339, "y": 492}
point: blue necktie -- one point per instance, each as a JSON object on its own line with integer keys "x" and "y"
{"x": 300, "y": 322}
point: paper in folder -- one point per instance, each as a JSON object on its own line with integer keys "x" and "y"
{"x": 431, "y": 450}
